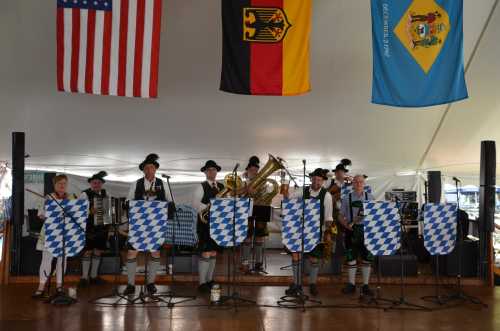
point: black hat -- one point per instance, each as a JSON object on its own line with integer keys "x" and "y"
{"x": 319, "y": 173}
{"x": 344, "y": 163}
{"x": 210, "y": 164}
{"x": 253, "y": 162}
{"x": 150, "y": 159}
{"x": 100, "y": 176}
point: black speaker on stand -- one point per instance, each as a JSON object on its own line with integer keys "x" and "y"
{"x": 18, "y": 149}
{"x": 487, "y": 181}
{"x": 434, "y": 186}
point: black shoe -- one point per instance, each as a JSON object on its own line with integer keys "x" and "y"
{"x": 366, "y": 291}
{"x": 210, "y": 284}
{"x": 38, "y": 294}
{"x": 313, "y": 289}
{"x": 83, "y": 283}
{"x": 349, "y": 289}
{"x": 259, "y": 267}
{"x": 151, "y": 288}
{"x": 129, "y": 290}
{"x": 292, "y": 290}
{"x": 204, "y": 288}
{"x": 97, "y": 281}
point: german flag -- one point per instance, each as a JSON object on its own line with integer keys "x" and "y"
{"x": 266, "y": 46}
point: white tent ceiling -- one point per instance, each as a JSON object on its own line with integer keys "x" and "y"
{"x": 193, "y": 121}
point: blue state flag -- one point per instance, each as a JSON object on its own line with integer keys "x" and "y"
{"x": 417, "y": 52}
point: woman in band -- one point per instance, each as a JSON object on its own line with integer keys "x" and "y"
{"x": 60, "y": 182}
{"x": 207, "y": 246}
{"x": 96, "y": 235}
{"x": 147, "y": 188}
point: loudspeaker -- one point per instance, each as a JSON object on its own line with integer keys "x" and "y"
{"x": 48, "y": 185}
{"x": 434, "y": 186}
{"x": 487, "y": 188}
{"x": 18, "y": 140}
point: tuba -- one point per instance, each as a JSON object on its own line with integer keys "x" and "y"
{"x": 257, "y": 185}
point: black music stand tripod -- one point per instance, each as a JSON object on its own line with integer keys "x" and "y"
{"x": 234, "y": 298}
{"x": 300, "y": 299}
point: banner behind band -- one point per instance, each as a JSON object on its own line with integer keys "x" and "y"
{"x": 109, "y": 47}
{"x": 417, "y": 52}
{"x": 266, "y": 46}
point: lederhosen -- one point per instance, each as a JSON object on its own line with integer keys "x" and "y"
{"x": 140, "y": 194}
{"x": 317, "y": 252}
{"x": 355, "y": 239}
{"x": 205, "y": 242}
{"x": 96, "y": 236}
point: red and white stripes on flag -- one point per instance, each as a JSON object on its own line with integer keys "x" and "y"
{"x": 109, "y": 47}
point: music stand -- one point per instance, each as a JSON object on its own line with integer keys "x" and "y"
{"x": 300, "y": 299}
{"x": 381, "y": 237}
{"x": 115, "y": 293}
{"x": 171, "y": 295}
{"x": 460, "y": 293}
{"x": 61, "y": 298}
{"x": 402, "y": 303}
{"x": 148, "y": 227}
{"x": 440, "y": 235}
{"x": 226, "y": 215}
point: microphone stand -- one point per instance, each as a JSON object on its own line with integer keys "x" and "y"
{"x": 234, "y": 296}
{"x": 171, "y": 295}
{"x": 460, "y": 294}
{"x": 300, "y": 299}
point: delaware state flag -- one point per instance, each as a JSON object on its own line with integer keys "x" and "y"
{"x": 417, "y": 52}
{"x": 266, "y": 46}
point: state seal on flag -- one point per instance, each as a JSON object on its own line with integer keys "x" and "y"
{"x": 422, "y": 30}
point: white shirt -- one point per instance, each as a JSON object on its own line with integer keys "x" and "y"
{"x": 327, "y": 203}
{"x": 198, "y": 195}
{"x": 147, "y": 186}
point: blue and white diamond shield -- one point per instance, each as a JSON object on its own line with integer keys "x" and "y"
{"x": 292, "y": 224}
{"x": 382, "y": 228}
{"x": 74, "y": 226}
{"x": 147, "y": 224}
{"x": 221, "y": 221}
{"x": 440, "y": 228}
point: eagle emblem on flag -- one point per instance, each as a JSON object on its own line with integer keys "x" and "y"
{"x": 266, "y": 25}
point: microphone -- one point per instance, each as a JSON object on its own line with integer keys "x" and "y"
{"x": 165, "y": 176}
{"x": 304, "y": 162}
{"x": 457, "y": 180}
{"x": 236, "y": 167}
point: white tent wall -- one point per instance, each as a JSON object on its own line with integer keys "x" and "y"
{"x": 192, "y": 121}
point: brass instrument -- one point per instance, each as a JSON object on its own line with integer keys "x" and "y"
{"x": 257, "y": 185}
{"x": 229, "y": 185}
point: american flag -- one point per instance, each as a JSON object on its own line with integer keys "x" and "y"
{"x": 109, "y": 47}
